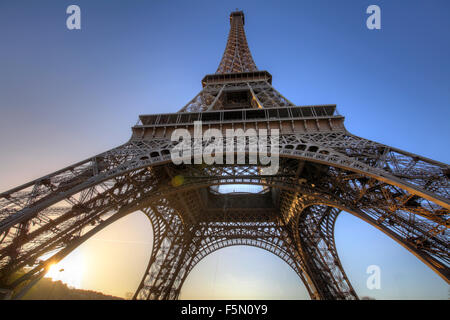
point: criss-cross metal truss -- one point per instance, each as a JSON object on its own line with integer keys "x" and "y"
{"x": 324, "y": 170}
{"x": 237, "y": 56}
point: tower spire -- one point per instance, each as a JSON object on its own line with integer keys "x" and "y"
{"x": 237, "y": 56}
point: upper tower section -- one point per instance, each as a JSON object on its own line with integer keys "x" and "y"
{"x": 237, "y": 57}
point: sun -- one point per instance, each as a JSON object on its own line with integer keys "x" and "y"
{"x": 69, "y": 270}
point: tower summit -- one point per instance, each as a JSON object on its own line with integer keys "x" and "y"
{"x": 237, "y": 56}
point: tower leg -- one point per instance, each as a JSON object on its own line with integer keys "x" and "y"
{"x": 173, "y": 249}
{"x": 317, "y": 246}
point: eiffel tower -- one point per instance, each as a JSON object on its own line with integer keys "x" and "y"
{"x": 323, "y": 170}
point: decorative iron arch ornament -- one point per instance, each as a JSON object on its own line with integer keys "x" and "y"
{"x": 323, "y": 169}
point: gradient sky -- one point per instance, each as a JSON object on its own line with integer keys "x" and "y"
{"x": 68, "y": 95}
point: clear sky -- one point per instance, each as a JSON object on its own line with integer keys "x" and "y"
{"x": 68, "y": 95}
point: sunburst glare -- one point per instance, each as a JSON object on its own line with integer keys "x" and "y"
{"x": 69, "y": 270}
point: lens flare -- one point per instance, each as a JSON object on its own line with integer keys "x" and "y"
{"x": 70, "y": 271}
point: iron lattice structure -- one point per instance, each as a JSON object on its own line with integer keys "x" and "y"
{"x": 323, "y": 169}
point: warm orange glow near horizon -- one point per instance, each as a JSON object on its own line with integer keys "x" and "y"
{"x": 69, "y": 270}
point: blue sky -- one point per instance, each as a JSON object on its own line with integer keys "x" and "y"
{"x": 67, "y": 95}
